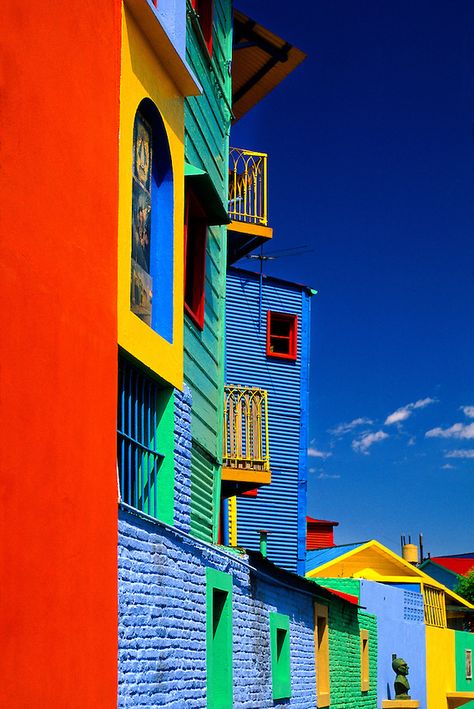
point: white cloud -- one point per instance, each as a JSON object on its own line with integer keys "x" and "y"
{"x": 457, "y": 430}
{"x": 412, "y": 440}
{"x": 343, "y": 428}
{"x": 460, "y": 454}
{"x": 327, "y": 476}
{"x": 468, "y": 411}
{"x": 315, "y": 453}
{"x": 406, "y": 411}
{"x": 447, "y": 466}
{"x": 363, "y": 444}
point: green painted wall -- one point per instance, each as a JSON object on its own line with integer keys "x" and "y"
{"x": 207, "y": 127}
{"x": 219, "y": 639}
{"x": 351, "y": 586}
{"x": 345, "y": 623}
{"x": 463, "y": 641}
{"x": 165, "y": 480}
{"x": 204, "y": 473}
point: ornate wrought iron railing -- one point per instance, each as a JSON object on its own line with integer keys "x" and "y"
{"x": 246, "y": 429}
{"x": 248, "y": 186}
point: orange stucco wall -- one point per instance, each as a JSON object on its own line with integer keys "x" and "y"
{"x": 58, "y": 514}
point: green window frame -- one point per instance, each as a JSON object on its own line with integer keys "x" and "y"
{"x": 280, "y": 655}
{"x": 219, "y": 639}
{"x": 145, "y": 441}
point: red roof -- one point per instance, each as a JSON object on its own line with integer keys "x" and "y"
{"x": 321, "y": 521}
{"x": 459, "y": 566}
{"x": 346, "y": 596}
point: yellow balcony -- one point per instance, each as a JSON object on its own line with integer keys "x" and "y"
{"x": 246, "y": 454}
{"x": 248, "y": 228}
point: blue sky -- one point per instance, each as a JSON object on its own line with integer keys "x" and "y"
{"x": 371, "y": 167}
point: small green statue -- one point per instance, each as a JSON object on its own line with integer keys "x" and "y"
{"x": 401, "y": 683}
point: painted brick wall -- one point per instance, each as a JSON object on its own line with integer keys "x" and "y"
{"x": 350, "y": 586}
{"x": 266, "y": 596}
{"x": 162, "y": 623}
{"x": 344, "y": 657}
{"x": 183, "y": 444}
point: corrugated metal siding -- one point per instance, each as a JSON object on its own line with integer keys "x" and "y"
{"x": 203, "y": 471}
{"x": 276, "y": 507}
{"x": 319, "y": 539}
{"x": 207, "y": 123}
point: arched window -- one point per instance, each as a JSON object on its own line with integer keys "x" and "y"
{"x": 151, "y": 291}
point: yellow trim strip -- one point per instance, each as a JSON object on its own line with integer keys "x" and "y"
{"x": 232, "y": 502}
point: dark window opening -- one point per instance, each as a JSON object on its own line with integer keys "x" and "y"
{"x": 282, "y": 331}
{"x": 205, "y": 11}
{"x": 218, "y": 602}
{"x": 195, "y": 238}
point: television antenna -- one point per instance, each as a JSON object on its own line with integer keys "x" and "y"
{"x": 272, "y": 256}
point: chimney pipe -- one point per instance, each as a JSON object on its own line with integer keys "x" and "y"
{"x": 263, "y": 542}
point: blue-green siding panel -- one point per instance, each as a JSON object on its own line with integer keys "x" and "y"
{"x": 207, "y": 126}
{"x": 202, "y": 493}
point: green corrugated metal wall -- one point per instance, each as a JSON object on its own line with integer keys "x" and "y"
{"x": 207, "y": 127}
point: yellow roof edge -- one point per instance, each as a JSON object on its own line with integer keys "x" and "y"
{"x": 460, "y": 599}
{"x": 347, "y": 554}
{"x": 419, "y": 575}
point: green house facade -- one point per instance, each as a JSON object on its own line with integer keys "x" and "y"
{"x": 207, "y": 126}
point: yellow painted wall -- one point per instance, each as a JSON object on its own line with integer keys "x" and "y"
{"x": 143, "y": 76}
{"x": 440, "y": 666}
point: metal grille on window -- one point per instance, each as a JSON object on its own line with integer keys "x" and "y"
{"x": 435, "y": 607}
{"x": 246, "y": 428}
{"x": 138, "y": 457}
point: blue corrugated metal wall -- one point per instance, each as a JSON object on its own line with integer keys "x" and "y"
{"x": 280, "y": 507}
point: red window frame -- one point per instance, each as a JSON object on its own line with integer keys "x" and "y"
{"x": 288, "y": 342}
{"x": 204, "y": 9}
{"x": 195, "y": 240}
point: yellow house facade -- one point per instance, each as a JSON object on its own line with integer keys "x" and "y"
{"x": 443, "y": 609}
{"x": 154, "y": 81}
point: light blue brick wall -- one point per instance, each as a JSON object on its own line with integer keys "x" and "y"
{"x": 183, "y": 445}
{"x": 162, "y": 623}
{"x": 162, "y": 609}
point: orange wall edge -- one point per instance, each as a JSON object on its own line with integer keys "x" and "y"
{"x": 58, "y": 354}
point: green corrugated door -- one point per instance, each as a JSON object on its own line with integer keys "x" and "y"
{"x": 203, "y": 471}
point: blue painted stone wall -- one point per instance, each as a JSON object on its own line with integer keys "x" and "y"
{"x": 162, "y": 622}
{"x": 183, "y": 446}
{"x": 162, "y": 608}
{"x": 401, "y": 630}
